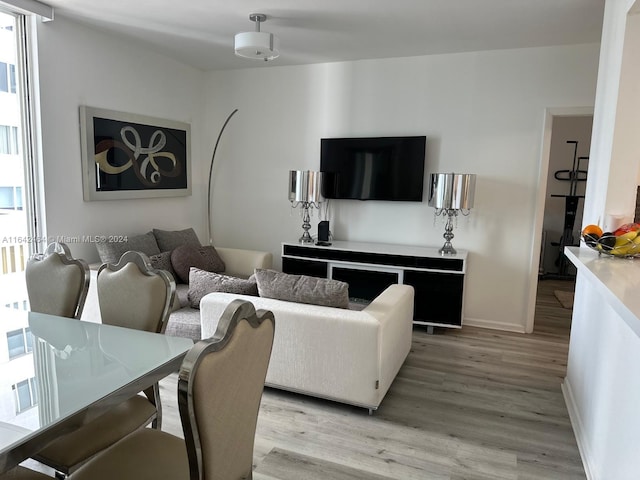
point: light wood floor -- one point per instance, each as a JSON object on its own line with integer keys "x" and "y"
{"x": 467, "y": 404}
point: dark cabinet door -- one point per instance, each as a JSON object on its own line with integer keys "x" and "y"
{"x": 364, "y": 284}
{"x": 438, "y": 296}
{"x": 296, "y": 266}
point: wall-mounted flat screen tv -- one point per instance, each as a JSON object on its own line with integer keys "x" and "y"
{"x": 377, "y": 168}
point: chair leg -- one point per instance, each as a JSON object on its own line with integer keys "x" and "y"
{"x": 153, "y": 394}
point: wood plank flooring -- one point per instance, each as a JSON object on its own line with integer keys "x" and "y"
{"x": 467, "y": 404}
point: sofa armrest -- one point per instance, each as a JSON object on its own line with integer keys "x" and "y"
{"x": 242, "y": 263}
{"x": 393, "y": 309}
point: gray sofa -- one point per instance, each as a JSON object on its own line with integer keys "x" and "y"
{"x": 184, "y": 321}
{"x": 158, "y": 245}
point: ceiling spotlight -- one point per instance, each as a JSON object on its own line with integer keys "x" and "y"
{"x": 257, "y": 45}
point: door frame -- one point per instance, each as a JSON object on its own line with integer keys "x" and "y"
{"x": 541, "y": 197}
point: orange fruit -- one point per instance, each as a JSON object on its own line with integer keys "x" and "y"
{"x": 592, "y": 229}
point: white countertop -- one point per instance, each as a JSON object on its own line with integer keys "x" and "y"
{"x": 618, "y": 277}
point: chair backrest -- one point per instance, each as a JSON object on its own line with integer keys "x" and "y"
{"x": 57, "y": 283}
{"x": 133, "y": 294}
{"x": 219, "y": 390}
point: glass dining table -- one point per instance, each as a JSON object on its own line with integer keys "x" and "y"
{"x": 56, "y": 370}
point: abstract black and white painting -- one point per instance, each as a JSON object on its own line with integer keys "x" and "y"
{"x": 133, "y": 156}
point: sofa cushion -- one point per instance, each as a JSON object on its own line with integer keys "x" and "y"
{"x": 162, "y": 261}
{"x": 184, "y": 322}
{"x": 302, "y": 289}
{"x": 111, "y": 251}
{"x": 202, "y": 282}
{"x": 187, "y": 256}
{"x": 170, "y": 239}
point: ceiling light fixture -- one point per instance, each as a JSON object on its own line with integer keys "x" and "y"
{"x": 257, "y": 45}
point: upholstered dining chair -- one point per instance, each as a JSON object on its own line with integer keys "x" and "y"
{"x": 220, "y": 385}
{"x": 135, "y": 295}
{"x": 57, "y": 283}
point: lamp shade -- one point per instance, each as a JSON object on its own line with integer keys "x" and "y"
{"x": 305, "y": 186}
{"x": 257, "y": 45}
{"x": 452, "y": 190}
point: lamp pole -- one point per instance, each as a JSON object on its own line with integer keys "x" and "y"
{"x": 213, "y": 157}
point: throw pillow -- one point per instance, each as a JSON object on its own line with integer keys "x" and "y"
{"x": 110, "y": 251}
{"x": 302, "y": 289}
{"x": 162, "y": 261}
{"x": 202, "y": 282}
{"x": 187, "y": 256}
{"x": 168, "y": 240}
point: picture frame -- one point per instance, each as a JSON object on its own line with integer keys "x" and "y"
{"x": 130, "y": 156}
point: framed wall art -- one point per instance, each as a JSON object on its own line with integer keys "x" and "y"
{"x": 127, "y": 156}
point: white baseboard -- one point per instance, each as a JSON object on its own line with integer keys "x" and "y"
{"x": 578, "y": 429}
{"x": 482, "y": 323}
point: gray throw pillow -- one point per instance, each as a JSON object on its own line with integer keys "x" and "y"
{"x": 187, "y": 256}
{"x": 162, "y": 261}
{"x": 111, "y": 251}
{"x": 202, "y": 283}
{"x": 168, "y": 240}
{"x": 302, "y": 289}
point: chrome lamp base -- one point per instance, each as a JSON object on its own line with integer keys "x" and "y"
{"x": 447, "y": 248}
{"x": 306, "y": 224}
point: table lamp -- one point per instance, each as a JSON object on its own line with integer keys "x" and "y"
{"x": 305, "y": 192}
{"x": 450, "y": 193}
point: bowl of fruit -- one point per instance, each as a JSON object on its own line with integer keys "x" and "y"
{"x": 624, "y": 242}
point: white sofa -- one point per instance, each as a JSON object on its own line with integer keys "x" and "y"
{"x": 344, "y": 355}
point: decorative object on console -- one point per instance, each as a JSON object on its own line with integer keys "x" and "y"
{"x": 450, "y": 193}
{"x": 323, "y": 233}
{"x": 304, "y": 191}
{"x": 257, "y": 45}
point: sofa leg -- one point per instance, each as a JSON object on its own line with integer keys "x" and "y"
{"x": 371, "y": 411}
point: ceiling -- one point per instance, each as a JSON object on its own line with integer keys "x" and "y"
{"x": 200, "y": 32}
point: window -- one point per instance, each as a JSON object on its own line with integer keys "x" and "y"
{"x": 26, "y": 394}
{"x": 9, "y": 140}
{"x": 12, "y": 78}
{"x": 4, "y": 77}
{"x": 7, "y": 77}
{"x": 11, "y": 198}
{"x": 19, "y": 342}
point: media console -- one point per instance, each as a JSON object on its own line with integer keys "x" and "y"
{"x": 369, "y": 268}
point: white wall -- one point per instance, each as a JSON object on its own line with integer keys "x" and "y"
{"x": 482, "y": 113}
{"x": 82, "y": 66}
{"x": 602, "y": 395}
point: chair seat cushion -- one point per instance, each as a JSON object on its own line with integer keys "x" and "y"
{"x": 100, "y": 433}
{"x": 145, "y": 455}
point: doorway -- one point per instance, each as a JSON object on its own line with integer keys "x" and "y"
{"x": 564, "y": 166}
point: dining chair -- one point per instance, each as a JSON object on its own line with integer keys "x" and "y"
{"x": 57, "y": 283}
{"x": 135, "y": 295}
{"x": 220, "y": 386}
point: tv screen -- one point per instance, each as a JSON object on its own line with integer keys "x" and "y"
{"x": 379, "y": 168}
